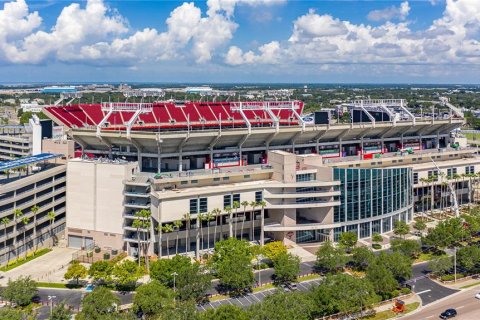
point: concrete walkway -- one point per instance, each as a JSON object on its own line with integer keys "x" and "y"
{"x": 48, "y": 268}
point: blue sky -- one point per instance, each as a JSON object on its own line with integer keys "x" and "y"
{"x": 431, "y": 41}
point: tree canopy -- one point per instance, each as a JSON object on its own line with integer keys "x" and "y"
{"x": 100, "y": 304}
{"x": 153, "y": 298}
{"x": 76, "y": 271}
{"x": 287, "y": 267}
{"x": 20, "y": 291}
{"x": 348, "y": 240}
{"x": 329, "y": 258}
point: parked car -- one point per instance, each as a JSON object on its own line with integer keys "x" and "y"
{"x": 292, "y": 286}
{"x": 449, "y": 313}
{"x": 284, "y": 287}
{"x": 477, "y": 296}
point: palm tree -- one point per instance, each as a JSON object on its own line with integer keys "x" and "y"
{"x": 167, "y": 229}
{"x": 262, "y": 204}
{"x": 51, "y": 219}
{"x": 35, "y": 210}
{"x": 244, "y": 205}
{"x": 137, "y": 223}
{"x": 176, "y": 225}
{"x": 236, "y": 205}
{"x": 5, "y": 222}
{"x": 187, "y": 219}
{"x": 216, "y": 212}
{"x": 158, "y": 228}
{"x": 200, "y": 218}
{"x": 229, "y": 210}
{"x": 253, "y": 204}
{"x": 25, "y": 221}
{"x": 16, "y": 215}
{"x": 208, "y": 218}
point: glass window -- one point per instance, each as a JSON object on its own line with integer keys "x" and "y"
{"x": 469, "y": 169}
{"x": 236, "y": 197}
{"x": 203, "y": 205}
{"x": 258, "y": 196}
{"x": 227, "y": 201}
{"x": 193, "y": 206}
{"x": 415, "y": 178}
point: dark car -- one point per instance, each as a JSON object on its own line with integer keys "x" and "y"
{"x": 449, "y": 313}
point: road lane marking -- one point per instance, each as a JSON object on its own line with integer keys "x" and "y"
{"x": 257, "y": 298}
{"x": 429, "y": 317}
{"x": 460, "y": 307}
{"x": 425, "y": 291}
{"x": 240, "y": 301}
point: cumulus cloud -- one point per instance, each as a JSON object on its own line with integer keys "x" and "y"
{"x": 322, "y": 39}
{"x": 96, "y": 34}
{"x": 390, "y": 13}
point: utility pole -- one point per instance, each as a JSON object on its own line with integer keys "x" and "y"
{"x": 455, "y": 263}
{"x": 174, "y": 275}
{"x": 50, "y": 299}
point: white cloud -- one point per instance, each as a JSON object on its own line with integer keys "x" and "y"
{"x": 323, "y": 39}
{"x": 96, "y": 34}
{"x": 390, "y": 13}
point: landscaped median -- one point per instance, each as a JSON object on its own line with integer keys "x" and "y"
{"x": 22, "y": 260}
{"x": 58, "y": 285}
{"x": 388, "y": 314}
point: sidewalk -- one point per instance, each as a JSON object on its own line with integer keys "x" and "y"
{"x": 48, "y": 268}
{"x": 389, "y": 305}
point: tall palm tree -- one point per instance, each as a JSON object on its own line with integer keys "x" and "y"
{"x": 216, "y": 212}
{"x": 244, "y": 205}
{"x": 236, "y": 205}
{"x": 35, "y": 210}
{"x": 229, "y": 210}
{"x": 168, "y": 228}
{"x": 51, "y": 219}
{"x": 200, "y": 218}
{"x": 187, "y": 219}
{"x": 456, "y": 177}
{"x": 158, "y": 228}
{"x": 253, "y": 204}
{"x": 137, "y": 223}
{"x": 463, "y": 176}
{"x": 146, "y": 224}
{"x": 25, "y": 221}
{"x": 176, "y": 225}
{"x": 5, "y": 222}
{"x": 208, "y": 218}
{"x": 262, "y": 205}
{"x": 16, "y": 215}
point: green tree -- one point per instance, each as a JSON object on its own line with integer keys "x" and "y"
{"x": 382, "y": 279}
{"x": 232, "y": 262}
{"x": 20, "y": 291}
{"x": 8, "y": 313}
{"x": 287, "y": 268}
{"x": 410, "y": 248}
{"x": 127, "y": 273}
{"x": 401, "y": 228}
{"x": 100, "y": 304}
{"x": 344, "y": 294}
{"x": 377, "y": 238}
{"x": 61, "y": 312}
{"x": 329, "y": 258}
{"x": 101, "y": 271}
{"x": 25, "y": 221}
{"x": 273, "y": 249}
{"x": 51, "y": 220}
{"x": 280, "y": 306}
{"x": 76, "y": 271}
{"x": 153, "y": 298}
{"x": 446, "y": 233}
{"x": 441, "y": 265}
{"x": 420, "y": 226}
{"x": 5, "y": 222}
{"x": 348, "y": 240}
{"x": 469, "y": 257}
{"x": 163, "y": 269}
{"x": 224, "y": 312}
{"x": 183, "y": 310}
{"x": 362, "y": 257}
{"x": 399, "y": 264}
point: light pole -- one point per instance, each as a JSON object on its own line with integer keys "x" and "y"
{"x": 174, "y": 275}
{"x": 259, "y": 271}
{"x": 50, "y": 299}
{"x": 455, "y": 263}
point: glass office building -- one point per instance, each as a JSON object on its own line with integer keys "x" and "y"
{"x": 372, "y": 200}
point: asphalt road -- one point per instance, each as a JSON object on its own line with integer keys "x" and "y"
{"x": 468, "y": 308}
{"x": 428, "y": 290}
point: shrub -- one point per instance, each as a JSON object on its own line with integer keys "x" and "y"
{"x": 405, "y": 290}
{"x": 395, "y": 293}
{"x": 376, "y": 246}
{"x": 451, "y": 277}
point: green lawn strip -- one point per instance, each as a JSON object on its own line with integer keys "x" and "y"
{"x": 309, "y": 277}
{"x": 427, "y": 257}
{"x": 218, "y": 297}
{"x": 58, "y": 285}
{"x": 470, "y": 285}
{"x": 21, "y": 261}
{"x": 264, "y": 287}
{"x": 387, "y": 314}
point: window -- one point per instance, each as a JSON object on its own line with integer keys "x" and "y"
{"x": 203, "y": 205}
{"x": 226, "y": 178}
{"x": 415, "y": 178}
{"x": 469, "y": 169}
{"x": 451, "y": 172}
{"x": 433, "y": 174}
{"x": 236, "y": 197}
{"x": 258, "y": 196}
{"x": 305, "y": 177}
{"x": 216, "y": 179}
{"x": 247, "y": 176}
{"x": 193, "y": 206}
{"x": 194, "y": 181}
{"x": 227, "y": 201}
{"x": 183, "y": 182}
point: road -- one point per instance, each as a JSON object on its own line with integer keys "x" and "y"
{"x": 464, "y": 302}
{"x": 428, "y": 290}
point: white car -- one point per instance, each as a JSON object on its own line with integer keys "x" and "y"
{"x": 477, "y": 296}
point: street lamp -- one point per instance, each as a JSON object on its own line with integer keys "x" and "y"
{"x": 50, "y": 299}
{"x": 174, "y": 275}
{"x": 259, "y": 270}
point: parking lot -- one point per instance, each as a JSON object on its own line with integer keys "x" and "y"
{"x": 252, "y": 298}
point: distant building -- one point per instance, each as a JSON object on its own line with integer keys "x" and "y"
{"x": 57, "y": 89}
{"x": 198, "y": 90}
{"x": 31, "y": 107}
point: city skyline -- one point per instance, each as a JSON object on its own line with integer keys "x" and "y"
{"x": 240, "y": 41}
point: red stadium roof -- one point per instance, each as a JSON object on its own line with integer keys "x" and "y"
{"x": 169, "y": 115}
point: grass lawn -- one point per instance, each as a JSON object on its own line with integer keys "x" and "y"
{"x": 383, "y": 315}
{"x": 427, "y": 257}
{"x": 470, "y": 285}
{"x": 264, "y": 287}
{"x": 309, "y": 277}
{"x": 21, "y": 261}
{"x": 58, "y": 285}
{"x": 218, "y": 297}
